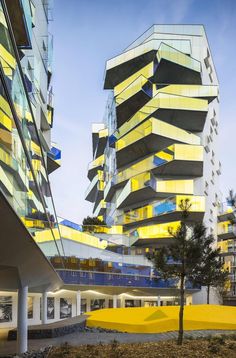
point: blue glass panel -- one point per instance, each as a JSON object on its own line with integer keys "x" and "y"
{"x": 164, "y": 207}
{"x": 107, "y": 279}
{"x": 71, "y": 224}
{"x": 158, "y": 161}
{"x": 112, "y": 139}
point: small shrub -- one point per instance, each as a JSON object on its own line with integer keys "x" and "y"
{"x": 214, "y": 347}
{"x": 65, "y": 348}
{"x": 232, "y": 345}
{"x": 219, "y": 340}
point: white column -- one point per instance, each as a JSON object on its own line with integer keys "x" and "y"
{"x": 115, "y": 301}
{"x": 78, "y": 303}
{"x": 22, "y": 318}
{"x": 44, "y": 307}
{"x": 158, "y": 301}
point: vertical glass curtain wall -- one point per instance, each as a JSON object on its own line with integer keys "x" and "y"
{"x": 24, "y": 178}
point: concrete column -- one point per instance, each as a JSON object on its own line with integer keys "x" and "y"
{"x": 44, "y": 307}
{"x": 78, "y": 303}
{"x": 158, "y": 300}
{"x": 22, "y": 320}
{"x": 88, "y": 304}
{"x": 115, "y": 301}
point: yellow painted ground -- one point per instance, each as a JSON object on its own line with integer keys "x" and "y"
{"x": 164, "y": 319}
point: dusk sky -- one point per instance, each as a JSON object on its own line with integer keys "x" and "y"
{"x": 86, "y": 34}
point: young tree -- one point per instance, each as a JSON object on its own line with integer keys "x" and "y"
{"x": 179, "y": 259}
{"x": 210, "y": 271}
{"x": 90, "y": 223}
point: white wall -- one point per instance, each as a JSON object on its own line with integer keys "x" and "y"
{"x": 200, "y": 298}
{"x": 88, "y": 295}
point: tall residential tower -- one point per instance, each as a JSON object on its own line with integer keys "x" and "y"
{"x": 158, "y": 143}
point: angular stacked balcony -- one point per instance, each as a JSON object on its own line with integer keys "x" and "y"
{"x": 131, "y": 61}
{"x": 184, "y": 112}
{"x": 20, "y": 14}
{"x": 95, "y": 165}
{"x": 156, "y": 234}
{"x": 132, "y": 98}
{"x": 100, "y": 208}
{"x": 177, "y": 159}
{"x": 164, "y": 210}
{"x": 100, "y": 136}
{"x": 208, "y": 92}
{"x": 226, "y": 230}
{"x": 95, "y": 190}
{"x": 149, "y": 137}
{"x": 145, "y": 187}
{"x": 176, "y": 67}
{"x": 53, "y": 158}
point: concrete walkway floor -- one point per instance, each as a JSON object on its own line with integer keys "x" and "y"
{"x": 80, "y": 338}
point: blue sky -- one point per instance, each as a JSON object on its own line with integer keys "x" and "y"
{"x": 86, "y": 34}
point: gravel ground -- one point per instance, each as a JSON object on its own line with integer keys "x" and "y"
{"x": 80, "y": 338}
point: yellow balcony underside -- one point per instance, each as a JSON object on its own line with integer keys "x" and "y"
{"x": 8, "y": 59}
{"x": 97, "y": 162}
{"x": 131, "y": 90}
{"x": 5, "y": 121}
{"x": 157, "y": 127}
{"x": 162, "y": 101}
{"x": 145, "y": 187}
{"x": 5, "y": 107}
{"x": 146, "y": 71}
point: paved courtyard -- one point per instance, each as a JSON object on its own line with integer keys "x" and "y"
{"x": 80, "y": 338}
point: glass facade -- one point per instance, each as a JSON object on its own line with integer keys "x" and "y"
{"x": 23, "y": 159}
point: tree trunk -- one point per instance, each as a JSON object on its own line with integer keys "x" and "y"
{"x": 208, "y": 294}
{"x": 181, "y": 312}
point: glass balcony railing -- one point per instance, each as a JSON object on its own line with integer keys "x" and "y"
{"x": 160, "y": 101}
{"x": 226, "y": 227}
{"x": 145, "y": 72}
{"x": 72, "y": 234}
{"x": 100, "y": 209}
{"x": 136, "y": 86}
{"x": 97, "y": 184}
{"x": 26, "y": 186}
{"x": 158, "y": 231}
{"x": 195, "y": 91}
{"x": 157, "y": 127}
{"x": 98, "y": 162}
{"x": 162, "y": 207}
{"x": 171, "y": 54}
{"x": 99, "y": 265}
{"x": 112, "y": 279}
{"x": 157, "y": 187}
{"x": 227, "y": 246}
